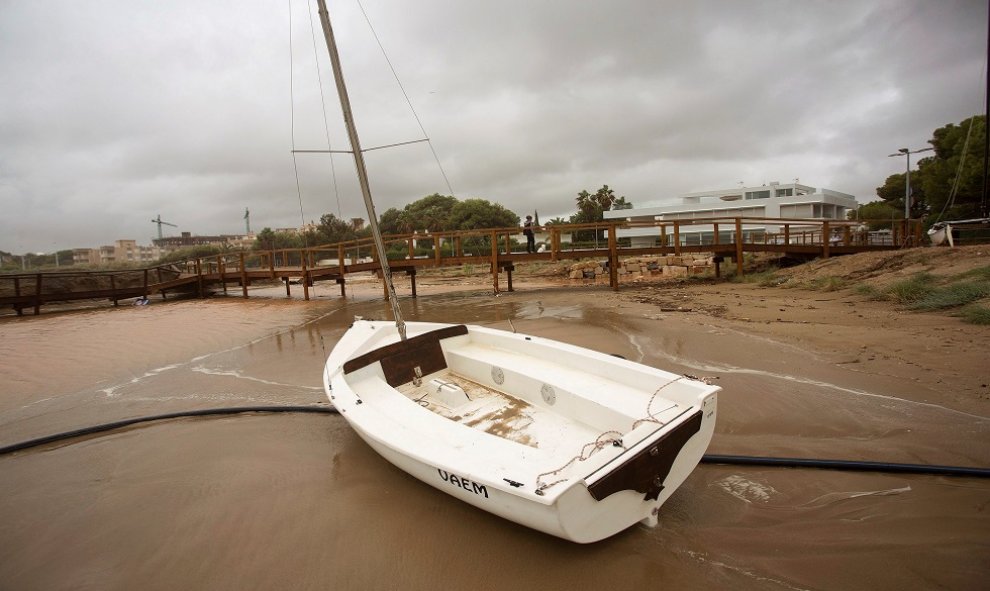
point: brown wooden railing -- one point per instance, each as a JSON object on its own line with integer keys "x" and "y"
{"x": 499, "y": 248}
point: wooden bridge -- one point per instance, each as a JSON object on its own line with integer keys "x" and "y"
{"x": 499, "y": 249}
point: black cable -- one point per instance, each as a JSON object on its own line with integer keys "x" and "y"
{"x": 173, "y": 415}
{"x": 855, "y": 465}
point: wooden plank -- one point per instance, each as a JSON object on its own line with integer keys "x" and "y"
{"x": 400, "y": 359}
{"x": 646, "y": 471}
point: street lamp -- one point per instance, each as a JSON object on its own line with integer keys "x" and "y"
{"x": 907, "y": 184}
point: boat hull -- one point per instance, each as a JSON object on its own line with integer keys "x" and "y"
{"x": 586, "y": 500}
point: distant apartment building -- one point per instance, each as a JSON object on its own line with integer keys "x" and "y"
{"x": 85, "y": 256}
{"x": 121, "y": 251}
{"x": 775, "y": 200}
{"x": 187, "y": 240}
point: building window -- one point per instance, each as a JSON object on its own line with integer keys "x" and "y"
{"x": 758, "y": 194}
{"x": 785, "y": 192}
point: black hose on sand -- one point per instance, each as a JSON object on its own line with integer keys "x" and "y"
{"x": 707, "y": 459}
{"x": 162, "y": 417}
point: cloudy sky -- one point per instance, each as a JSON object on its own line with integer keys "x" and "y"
{"x": 113, "y": 112}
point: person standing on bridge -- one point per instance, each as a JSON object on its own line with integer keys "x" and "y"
{"x": 528, "y": 232}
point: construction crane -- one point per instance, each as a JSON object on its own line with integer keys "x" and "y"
{"x": 160, "y": 223}
{"x": 247, "y": 219}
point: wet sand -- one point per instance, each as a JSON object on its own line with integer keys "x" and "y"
{"x": 299, "y": 502}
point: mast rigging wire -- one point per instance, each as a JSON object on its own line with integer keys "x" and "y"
{"x": 323, "y": 104}
{"x": 406, "y": 95}
{"x": 292, "y": 127}
{"x": 962, "y": 158}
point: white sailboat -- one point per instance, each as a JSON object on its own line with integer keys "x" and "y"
{"x": 941, "y": 232}
{"x": 565, "y": 440}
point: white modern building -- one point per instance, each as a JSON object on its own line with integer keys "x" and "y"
{"x": 775, "y": 200}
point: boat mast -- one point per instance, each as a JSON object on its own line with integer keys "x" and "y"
{"x": 345, "y": 105}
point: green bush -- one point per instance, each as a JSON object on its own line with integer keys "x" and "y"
{"x": 912, "y": 289}
{"x": 975, "y": 315}
{"x": 952, "y": 296}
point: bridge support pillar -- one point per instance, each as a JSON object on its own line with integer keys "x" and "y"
{"x": 412, "y": 280}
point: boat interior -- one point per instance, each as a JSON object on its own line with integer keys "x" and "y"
{"x": 521, "y": 391}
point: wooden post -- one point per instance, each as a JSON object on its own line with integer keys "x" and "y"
{"x": 739, "y": 247}
{"x": 341, "y": 281}
{"x": 494, "y": 237}
{"x": 613, "y": 259}
{"x": 271, "y": 263}
{"x": 826, "y": 237}
{"x": 17, "y": 292}
{"x": 199, "y": 276}
{"x": 222, "y": 269}
{"x": 244, "y": 279}
{"x": 677, "y": 238}
{"x": 715, "y": 237}
{"x": 305, "y": 274}
{"x": 508, "y": 244}
{"x": 437, "y": 242}
{"x": 663, "y": 235}
{"x": 554, "y": 243}
{"x": 288, "y": 293}
{"x": 37, "y": 294}
{"x": 508, "y": 276}
{"x": 787, "y": 234}
{"x": 412, "y": 280}
{"x": 113, "y": 288}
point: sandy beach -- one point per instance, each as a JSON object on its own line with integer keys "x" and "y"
{"x": 265, "y": 501}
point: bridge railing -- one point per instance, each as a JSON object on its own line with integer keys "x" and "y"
{"x": 497, "y": 247}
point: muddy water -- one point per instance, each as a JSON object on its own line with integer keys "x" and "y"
{"x": 299, "y": 502}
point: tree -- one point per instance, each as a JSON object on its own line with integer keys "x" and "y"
{"x": 391, "y": 222}
{"x": 476, "y": 214}
{"x": 429, "y": 213}
{"x": 332, "y": 229}
{"x": 592, "y": 208}
{"x": 892, "y": 193}
{"x": 932, "y": 184}
{"x": 270, "y": 240}
{"x": 938, "y": 174}
{"x": 878, "y": 214}
{"x": 621, "y": 203}
{"x": 436, "y": 213}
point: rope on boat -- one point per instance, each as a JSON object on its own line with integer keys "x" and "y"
{"x": 600, "y": 443}
{"x": 586, "y": 453}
